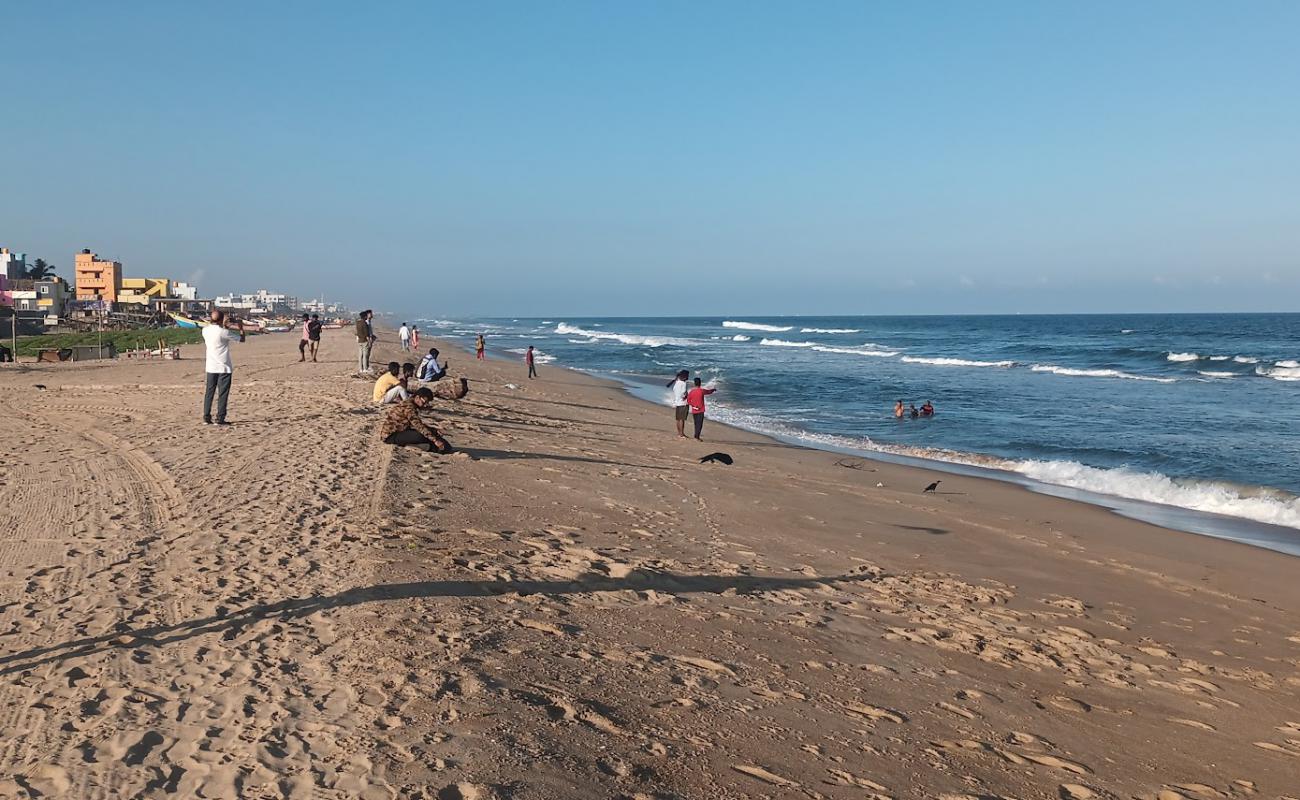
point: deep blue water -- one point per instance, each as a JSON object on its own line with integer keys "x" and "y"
{"x": 1194, "y": 411}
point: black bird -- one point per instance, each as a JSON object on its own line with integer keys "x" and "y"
{"x": 931, "y": 487}
{"x": 40, "y": 386}
{"x": 722, "y": 457}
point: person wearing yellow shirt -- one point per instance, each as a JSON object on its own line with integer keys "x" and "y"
{"x": 387, "y": 381}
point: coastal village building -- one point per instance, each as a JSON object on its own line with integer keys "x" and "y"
{"x": 183, "y": 291}
{"x": 97, "y": 279}
{"x": 12, "y": 265}
{"x": 142, "y": 291}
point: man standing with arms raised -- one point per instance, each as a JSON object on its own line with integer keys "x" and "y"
{"x": 219, "y": 366}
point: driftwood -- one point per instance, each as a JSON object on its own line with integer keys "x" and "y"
{"x": 853, "y": 464}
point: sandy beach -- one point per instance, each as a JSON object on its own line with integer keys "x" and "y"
{"x": 573, "y": 606}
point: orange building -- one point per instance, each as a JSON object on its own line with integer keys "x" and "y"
{"x": 96, "y": 279}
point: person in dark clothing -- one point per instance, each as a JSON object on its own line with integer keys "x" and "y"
{"x": 531, "y": 358}
{"x": 404, "y": 428}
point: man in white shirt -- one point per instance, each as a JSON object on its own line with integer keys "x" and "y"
{"x": 219, "y": 367}
{"x": 681, "y": 408}
{"x": 404, "y": 333}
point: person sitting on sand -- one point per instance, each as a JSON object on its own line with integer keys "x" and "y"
{"x": 391, "y": 378}
{"x": 695, "y": 401}
{"x": 912, "y": 412}
{"x": 680, "y": 407}
{"x": 927, "y": 410}
{"x": 429, "y": 370}
{"x": 402, "y": 390}
{"x": 898, "y": 410}
{"x": 404, "y": 428}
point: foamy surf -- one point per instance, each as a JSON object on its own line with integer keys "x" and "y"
{"x": 1097, "y": 373}
{"x": 955, "y": 362}
{"x": 624, "y": 338}
{"x": 830, "y": 330}
{"x": 756, "y": 326}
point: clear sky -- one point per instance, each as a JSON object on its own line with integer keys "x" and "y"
{"x": 541, "y": 158}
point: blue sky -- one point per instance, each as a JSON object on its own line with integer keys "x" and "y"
{"x": 667, "y": 158}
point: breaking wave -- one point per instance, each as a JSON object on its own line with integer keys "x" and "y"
{"x": 830, "y": 330}
{"x": 955, "y": 362}
{"x": 756, "y": 326}
{"x": 1097, "y": 373}
{"x": 625, "y": 338}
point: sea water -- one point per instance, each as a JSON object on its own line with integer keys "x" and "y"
{"x": 1194, "y": 419}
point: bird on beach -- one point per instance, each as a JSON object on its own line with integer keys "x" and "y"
{"x": 931, "y": 487}
{"x": 719, "y": 457}
{"x": 40, "y": 386}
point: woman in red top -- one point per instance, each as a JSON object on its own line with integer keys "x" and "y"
{"x": 695, "y": 401}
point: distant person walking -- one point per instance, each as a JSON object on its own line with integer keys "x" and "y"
{"x": 306, "y": 336}
{"x": 681, "y": 408}
{"x": 313, "y": 335}
{"x": 531, "y": 359}
{"x": 216, "y": 339}
{"x": 404, "y": 428}
{"x": 365, "y": 340}
{"x": 695, "y": 401}
{"x": 480, "y": 344}
{"x": 415, "y": 337}
{"x": 404, "y": 334}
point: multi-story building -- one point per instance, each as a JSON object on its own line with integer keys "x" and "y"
{"x": 51, "y": 294}
{"x": 143, "y": 291}
{"x": 12, "y": 265}
{"x": 183, "y": 291}
{"x": 97, "y": 279}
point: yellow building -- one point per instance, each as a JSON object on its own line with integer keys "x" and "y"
{"x": 97, "y": 279}
{"x": 143, "y": 290}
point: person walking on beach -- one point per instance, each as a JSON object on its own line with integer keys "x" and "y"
{"x": 695, "y": 401}
{"x": 365, "y": 340}
{"x": 313, "y": 335}
{"x": 531, "y": 359}
{"x": 404, "y": 428}
{"x": 415, "y": 337}
{"x": 480, "y": 344}
{"x": 216, "y": 339}
{"x": 681, "y": 408}
{"x": 404, "y": 334}
{"x": 306, "y": 335}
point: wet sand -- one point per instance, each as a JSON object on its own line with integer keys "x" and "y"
{"x": 574, "y": 607}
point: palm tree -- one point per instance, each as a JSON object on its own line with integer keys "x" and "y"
{"x": 39, "y": 270}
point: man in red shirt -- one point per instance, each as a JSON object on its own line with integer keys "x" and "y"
{"x": 695, "y": 401}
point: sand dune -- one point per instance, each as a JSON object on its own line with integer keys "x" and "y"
{"x": 573, "y": 607}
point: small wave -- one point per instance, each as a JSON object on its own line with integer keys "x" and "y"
{"x": 866, "y": 350}
{"x": 624, "y": 338}
{"x": 784, "y": 343}
{"x": 1183, "y": 357}
{"x": 740, "y": 337}
{"x": 1270, "y": 506}
{"x": 1220, "y": 358}
{"x": 1280, "y": 373}
{"x": 538, "y": 355}
{"x": 1213, "y": 374}
{"x": 756, "y": 326}
{"x": 830, "y": 330}
{"x": 1289, "y": 363}
{"x": 1245, "y": 360}
{"x": 1097, "y": 373}
{"x": 955, "y": 362}
{"x": 1127, "y": 330}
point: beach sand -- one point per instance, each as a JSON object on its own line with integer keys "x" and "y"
{"x": 574, "y": 607}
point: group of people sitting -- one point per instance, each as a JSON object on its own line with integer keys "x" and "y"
{"x": 403, "y": 426}
{"x": 926, "y": 410}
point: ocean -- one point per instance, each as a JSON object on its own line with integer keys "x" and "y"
{"x": 1188, "y": 420}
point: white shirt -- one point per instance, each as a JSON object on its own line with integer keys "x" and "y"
{"x": 679, "y": 393}
{"x": 218, "y": 341}
{"x": 404, "y": 332}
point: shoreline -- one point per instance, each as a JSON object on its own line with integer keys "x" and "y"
{"x": 1178, "y": 519}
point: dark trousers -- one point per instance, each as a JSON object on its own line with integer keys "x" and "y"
{"x": 698, "y": 419}
{"x": 532, "y": 370}
{"x": 413, "y": 438}
{"x": 218, "y": 384}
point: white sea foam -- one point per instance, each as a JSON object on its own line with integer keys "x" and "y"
{"x": 756, "y": 326}
{"x": 829, "y": 330}
{"x": 865, "y": 350}
{"x": 955, "y": 362}
{"x": 1262, "y": 505}
{"x": 1213, "y": 374}
{"x": 1183, "y": 357}
{"x": 1220, "y": 358}
{"x": 784, "y": 343}
{"x": 1245, "y": 360}
{"x": 1280, "y": 373}
{"x": 740, "y": 337}
{"x": 1289, "y": 363}
{"x": 1097, "y": 373}
{"x": 1127, "y": 330}
{"x": 625, "y": 338}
